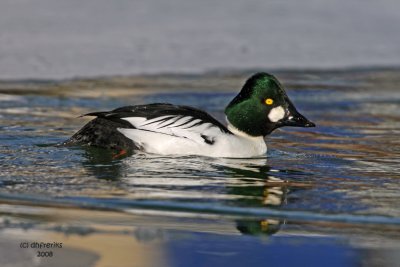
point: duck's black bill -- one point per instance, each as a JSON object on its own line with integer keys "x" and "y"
{"x": 294, "y": 118}
{"x": 297, "y": 121}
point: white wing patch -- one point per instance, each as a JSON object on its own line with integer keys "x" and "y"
{"x": 187, "y": 135}
{"x": 178, "y": 126}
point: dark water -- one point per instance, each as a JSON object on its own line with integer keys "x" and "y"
{"x": 336, "y": 185}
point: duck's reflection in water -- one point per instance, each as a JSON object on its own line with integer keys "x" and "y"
{"x": 102, "y": 163}
{"x": 233, "y": 182}
{"x": 268, "y": 190}
{"x": 273, "y": 196}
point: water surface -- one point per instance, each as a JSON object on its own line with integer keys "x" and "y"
{"x": 335, "y": 185}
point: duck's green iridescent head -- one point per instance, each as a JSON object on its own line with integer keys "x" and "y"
{"x": 262, "y": 106}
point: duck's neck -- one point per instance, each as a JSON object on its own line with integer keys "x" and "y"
{"x": 240, "y": 133}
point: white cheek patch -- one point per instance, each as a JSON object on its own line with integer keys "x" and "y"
{"x": 276, "y": 114}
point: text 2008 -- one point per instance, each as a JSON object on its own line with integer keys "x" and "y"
{"x": 44, "y": 254}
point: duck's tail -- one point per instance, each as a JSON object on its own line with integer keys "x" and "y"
{"x": 103, "y": 133}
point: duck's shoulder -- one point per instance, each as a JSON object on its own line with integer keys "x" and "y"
{"x": 161, "y": 115}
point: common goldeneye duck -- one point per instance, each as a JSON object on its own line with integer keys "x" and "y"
{"x": 261, "y": 107}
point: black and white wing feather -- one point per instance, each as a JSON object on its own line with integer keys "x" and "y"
{"x": 165, "y": 119}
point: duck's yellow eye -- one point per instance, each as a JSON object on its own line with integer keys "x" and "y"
{"x": 269, "y": 101}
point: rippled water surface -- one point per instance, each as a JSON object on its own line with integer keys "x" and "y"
{"x": 340, "y": 180}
